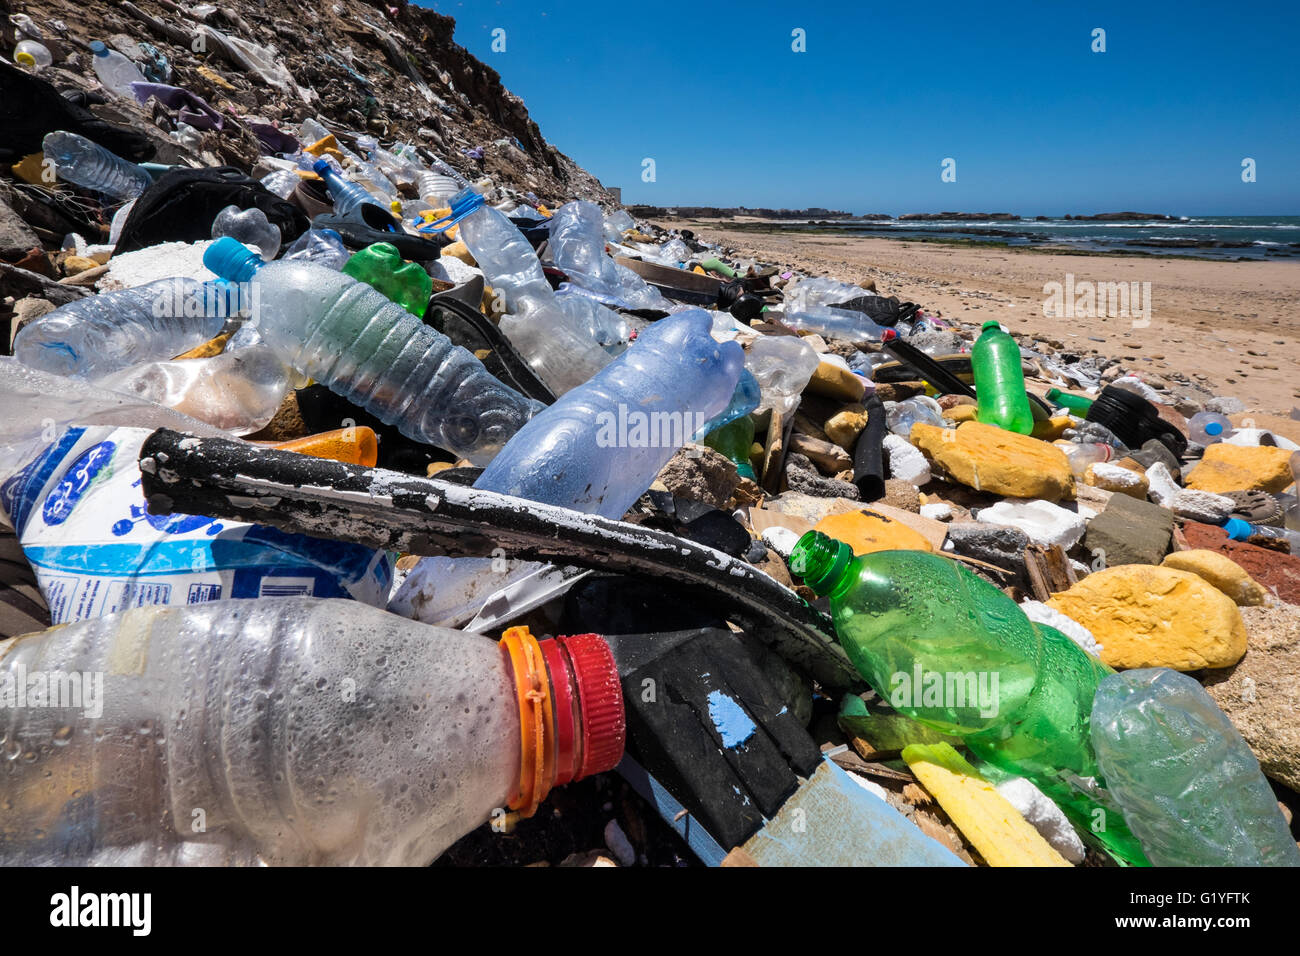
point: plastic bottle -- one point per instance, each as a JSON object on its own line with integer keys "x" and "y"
{"x": 901, "y": 416}
{"x": 345, "y": 335}
{"x": 321, "y": 246}
{"x": 949, "y": 649}
{"x": 346, "y": 195}
{"x": 1239, "y": 530}
{"x": 380, "y": 266}
{"x": 249, "y": 226}
{"x": 1095, "y": 432}
{"x": 599, "y": 447}
{"x": 1206, "y": 428}
{"x": 300, "y": 731}
{"x": 89, "y": 165}
{"x": 436, "y": 188}
{"x": 32, "y": 56}
{"x": 1000, "y": 381}
{"x": 577, "y": 246}
{"x": 99, "y": 334}
{"x": 735, "y": 441}
{"x": 564, "y": 341}
{"x": 115, "y": 71}
{"x": 1191, "y": 789}
{"x": 1077, "y": 404}
{"x": 838, "y": 323}
{"x": 782, "y": 365}
{"x": 1084, "y": 454}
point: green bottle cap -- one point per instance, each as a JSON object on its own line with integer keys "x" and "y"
{"x": 990, "y": 324}
{"x": 820, "y": 560}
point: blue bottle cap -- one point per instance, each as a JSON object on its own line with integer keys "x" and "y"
{"x": 1237, "y": 529}
{"x": 1213, "y": 428}
{"x": 98, "y": 48}
{"x": 320, "y": 167}
{"x": 231, "y": 259}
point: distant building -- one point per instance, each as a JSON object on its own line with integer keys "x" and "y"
{"x": 616, "y": 192}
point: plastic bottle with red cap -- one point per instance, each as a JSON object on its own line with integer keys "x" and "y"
{"x": 288, "y": 731}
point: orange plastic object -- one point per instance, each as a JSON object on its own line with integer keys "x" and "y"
{"x": 329, "y": 143}
{"x": 357, "y": 445}
{"x": 213, "y": 346}
{"x": 536, "y": 721}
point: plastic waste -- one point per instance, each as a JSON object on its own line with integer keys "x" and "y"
{"x": 81, "y": 519}
{"x": 322, "y": 246}
{"x": 1191, "y": 790}
{"x": 735, "y": 441}
{"x": 902, "y": 416}
{"x": 1000, "y": 380}
{"x": 115, "y": 71}
{"x": 1077, "y": 404}
{"x": 243, "y": 709}
{"x": 381, "y": 267}
{"x": 89, "y": 165}
{"x": 1206, "y": 428}
{"x": 436, "y": 189}
{"x": 32, "y": 56}
{"x": 282, "y": 182}
{"x": 1239, "y": 530}
{"x": 782, "y": 366}
{"x": 947, "y": 648}
{"x": 346, "y": 195}
{"x": 1083, "y": 454}
{"x": 1094, "y": 432}
{"x": 838, "y": 323}
{"x": 351, "y": 338}
{"x": 249, "y": 226}
{"x": 577, "y": 246}
{"x": 822, "y": 291}
{"x": 99, "y": 334}
{"x": 598, "y": 448}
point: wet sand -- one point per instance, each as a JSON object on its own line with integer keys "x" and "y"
{"x": 1232, "y": 326}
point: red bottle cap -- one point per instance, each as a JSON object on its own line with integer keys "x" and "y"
{"x": 603, "y": 726}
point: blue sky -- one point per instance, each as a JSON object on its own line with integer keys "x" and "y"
{"x": 885, "y": 92}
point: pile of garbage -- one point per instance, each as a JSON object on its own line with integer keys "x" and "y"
{"x": 376, "y": 496}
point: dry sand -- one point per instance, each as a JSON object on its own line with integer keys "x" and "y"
{"x": 1237, "y": 324}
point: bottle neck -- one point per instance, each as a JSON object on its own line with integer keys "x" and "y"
{"x": 826, "y": 565}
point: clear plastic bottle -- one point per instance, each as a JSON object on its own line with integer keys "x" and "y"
{"x": 598, "y": 448}
{"x": 1206, "y": 428}
{"x": 1239, "y": 530}
{"x": 249, "y": 226}
{"x": 838, "y": 323}
{"x": 1083, "y": 454}
{"x": 345, "y": 335}
{"x": 782, "y": 365}
{"x": 1191, "y": 789}
{"x": 950, "y": 650}
{"x": 89, "y": 165}
{"x": 322, "y": 246}
{"x": 115, "y": 71}
{"x": 436, "y": 189}
{"x": 577, "y": 246}
{"x": 32, "y": 56}
{"x": 901, "y": 416}
{"x": 1000, "y": 380}
{"x": 94, "y": 336}
{"x": 291, "y": 731}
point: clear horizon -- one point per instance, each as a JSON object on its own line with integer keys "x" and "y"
{"x": 859, "y": 111}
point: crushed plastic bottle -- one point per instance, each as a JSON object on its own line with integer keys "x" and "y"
{"x": 1191, "y": 790}
{"x": 282, "y": 182}
{"x": 351, "y": 338}
{"x": 1206, "y": 428}
{"x": 242, "y": 709}
{"x": 1082, "y": 455}
{"x": 32, "y": 56}
{"x": 782, "y": 366}
{"x": 1000, "y": 380}
{"x": 99, "y": 334}
{"x": 577, "y": 246}
{"x": 949, "y": 649}
{"x": 321, "y": 246}
{"x": 90, "y": 166}
{"x": 902, "y": 416}
{"x": 249, "y": 226}
{"x": 598, "y": 448}
{"x": 115, "y": 71}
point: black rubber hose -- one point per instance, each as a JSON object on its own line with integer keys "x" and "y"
{"x": 869, "y": 453}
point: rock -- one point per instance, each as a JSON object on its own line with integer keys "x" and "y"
{"x": 801, "y": 476}
{"x": 960, "y": 413}
{"x": 1040, "y": 613}
{"x": 829, "y": 458}
{"x": 1116, "y": 478}
{"x": 902, "y": 494}
{"x": 905, "y": 460}
{"x": 1151, "y": 616}
{"x": 990, "y": 459}
{"x": 1225, "y": 405}
{"x": 808, "y": 507}
{"x": 618, "y": 843}
{"x": 1241, "y": 468}
{"x": 1261, "y": 694}
{"x": 1221, "y": 571}
{"x": 699, "y": 473}
{"x": 1153, "y": 451}
{"x": 16, "y": 237}
{"x": 75, "y": 265}
{"x": 867, "y": 532}
{"x": 953, "y": 400}
{"x": 1129, "y": 531}
{"x": 1044, "y": 523}
{"x": 937, "y": 343}
{"x": 1196, "y": 505}
{"x": 938, "y": 511}
{"x": 835, "y": 381}
{"x": 1003, "y": 547}
{"x": 898, "y": 391}
{"x": 1050, "y": 429}
{"x": 845, "y": 425}
{"x": 1279, "y": 573}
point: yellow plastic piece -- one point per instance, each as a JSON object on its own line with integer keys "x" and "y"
{"x": 322, "y": 146}
{"x": 208, "y": 349}
{"x": 992, "y": 825}
{"x": 357, "y": 445}
{"x": 29, "y": 169}
{"x": 544, "y": 211}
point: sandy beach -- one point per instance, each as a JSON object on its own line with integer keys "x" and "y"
{"x": 1234, "y": 326}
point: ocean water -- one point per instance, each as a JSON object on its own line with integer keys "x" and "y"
{"x": 1218, "y": 237}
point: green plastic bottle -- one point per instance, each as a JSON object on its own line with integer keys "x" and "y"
{"x": 734, "y": 440}
{"x": 1075, "y": 403}
{"x": 381, "y": 267}
{"x": 1000, "y": 381}
{"x": 945, "y": 647}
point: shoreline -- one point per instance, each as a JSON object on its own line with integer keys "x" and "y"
{"x": 1230, "y": 325}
